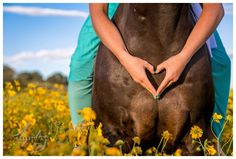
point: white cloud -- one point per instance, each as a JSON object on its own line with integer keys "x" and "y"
{"x": 37, "y": 11}
{"x": 55, "y": 54}
{"x": 44, "y": 61}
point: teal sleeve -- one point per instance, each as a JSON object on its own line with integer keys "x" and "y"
{"x": 221, "y": 73}
{"x": 80, "y": 80}
{"x": 82, "y": 60}
{"x": 79, "y": 96}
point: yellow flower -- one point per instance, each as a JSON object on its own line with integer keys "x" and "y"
{"x": 166, "y": 135}
{"x": 22, "y": 125}
{"x": 211, "y": 150}
{"x": 11, "y": 93}
{"x": 29, "y": 118}
{"x": 138, "y": 150}
{"x": 62, "y": 136}
{"x": 52, "y": 139}
{"x": 112, "y": 151}
{"x": 119, "y": 143}
{"x": 17, "y": 83}
{"x": 105, "y": 141}
{"x": 20, "y": 152}
{"x": 61, "y": 87}
{"x": 9, "y": 85}
{"x": 99, "y": 130}
{"x": 41, "y": 91}
{"x": 31, "y": 85}
{"x": 31, "y": 92}
{"x": 78, "y": 152}
{"x": 88, "y": 114}
{"x": 150, "y": 151}
{"x": 60, "y": 108}
{"x": 230, "y": 103}
{"x": 81, "y": 137}
{"x": 137, "y": 140}
{"x": 54, "y": 94}
{"x": 178, "y": 152}
{"x": 217, "y": 117}
{"x": 229, "y": 118}
{"x": 30, "y": 148}
{"x": 18, "y": 88}
{"x": 198, "y": 149}
{"x": 196, "y": 132}
{"x": 55, "y": 85}
{"x": 87, "y": 124}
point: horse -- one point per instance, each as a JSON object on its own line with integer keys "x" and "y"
{"x": 153, "y": 32}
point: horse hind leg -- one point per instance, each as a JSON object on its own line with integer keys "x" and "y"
{"x": 175, "y": 119}
{"x": 143, "y": 113}
{"x": 189, "y": 148}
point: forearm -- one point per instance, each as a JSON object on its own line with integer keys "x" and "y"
{"x": 107, "y": 31}
{"x": 208, "y": 21}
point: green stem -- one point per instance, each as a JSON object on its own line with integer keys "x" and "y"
{"x": 202, "y": 146}
{"x": 229, "y": 146}
{"x": 159, "y": 145}
{"x": 227, "y": 142}
{"x": 218, "y": 138}
{"x": 134, "y": 149}
{"x": 165, "y": 142}
{"x": 121, "y": 149}
{"x": 212, "y": 129}
{"x": 91, "y": 153}
{"x": 222, "y": 128}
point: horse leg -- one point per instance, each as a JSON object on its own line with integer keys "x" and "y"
{"x": 174, "y": 117}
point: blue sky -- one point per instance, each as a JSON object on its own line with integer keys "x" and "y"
{"x": 44, "y": 42}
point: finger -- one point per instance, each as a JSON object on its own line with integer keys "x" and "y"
{"x": 160, "y": 67}
{"x": 149, "y": 86}
{"x": 163, "y": 85}
{"x": 170, "y": 83}
{"x": 152, "y": 91}
{"x": 149, "y": 67}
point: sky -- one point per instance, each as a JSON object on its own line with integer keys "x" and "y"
{"x": 42, "y": 36}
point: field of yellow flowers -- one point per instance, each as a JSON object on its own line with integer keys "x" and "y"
{"x": 37, "y": 122}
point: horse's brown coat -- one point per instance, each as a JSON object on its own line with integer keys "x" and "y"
{"x": 153, "y": 32}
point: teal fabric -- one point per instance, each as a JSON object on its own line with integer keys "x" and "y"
{"x": 82, "y": 64}
{"x": 80, "y": 79}
{"x": 221, "y": 72}
{"x": 79, "y": 95}
{"x": 82, "y": 60}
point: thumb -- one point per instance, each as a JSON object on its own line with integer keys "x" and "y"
{"x": 160, "y": 67}
{"x": 149, "y": 67}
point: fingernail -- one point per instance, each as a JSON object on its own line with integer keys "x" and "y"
{"x": 157, "y": 96}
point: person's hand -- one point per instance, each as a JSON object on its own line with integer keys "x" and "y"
{"x": 173, "y": 66}
{"x": 136, "y": 68}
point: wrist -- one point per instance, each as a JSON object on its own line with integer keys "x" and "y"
{"x": 124, "y": 56}
{"x": 185, "y": 56}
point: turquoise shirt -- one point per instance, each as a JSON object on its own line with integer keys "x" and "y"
{"x": 82, "y": 60}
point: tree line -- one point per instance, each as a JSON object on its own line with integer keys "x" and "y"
{"x": 9, "y": 75}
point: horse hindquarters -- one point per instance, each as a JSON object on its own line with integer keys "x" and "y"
{"x": 124, "y": 107}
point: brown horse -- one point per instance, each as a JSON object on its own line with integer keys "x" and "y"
{"x": 153, "y": 32}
